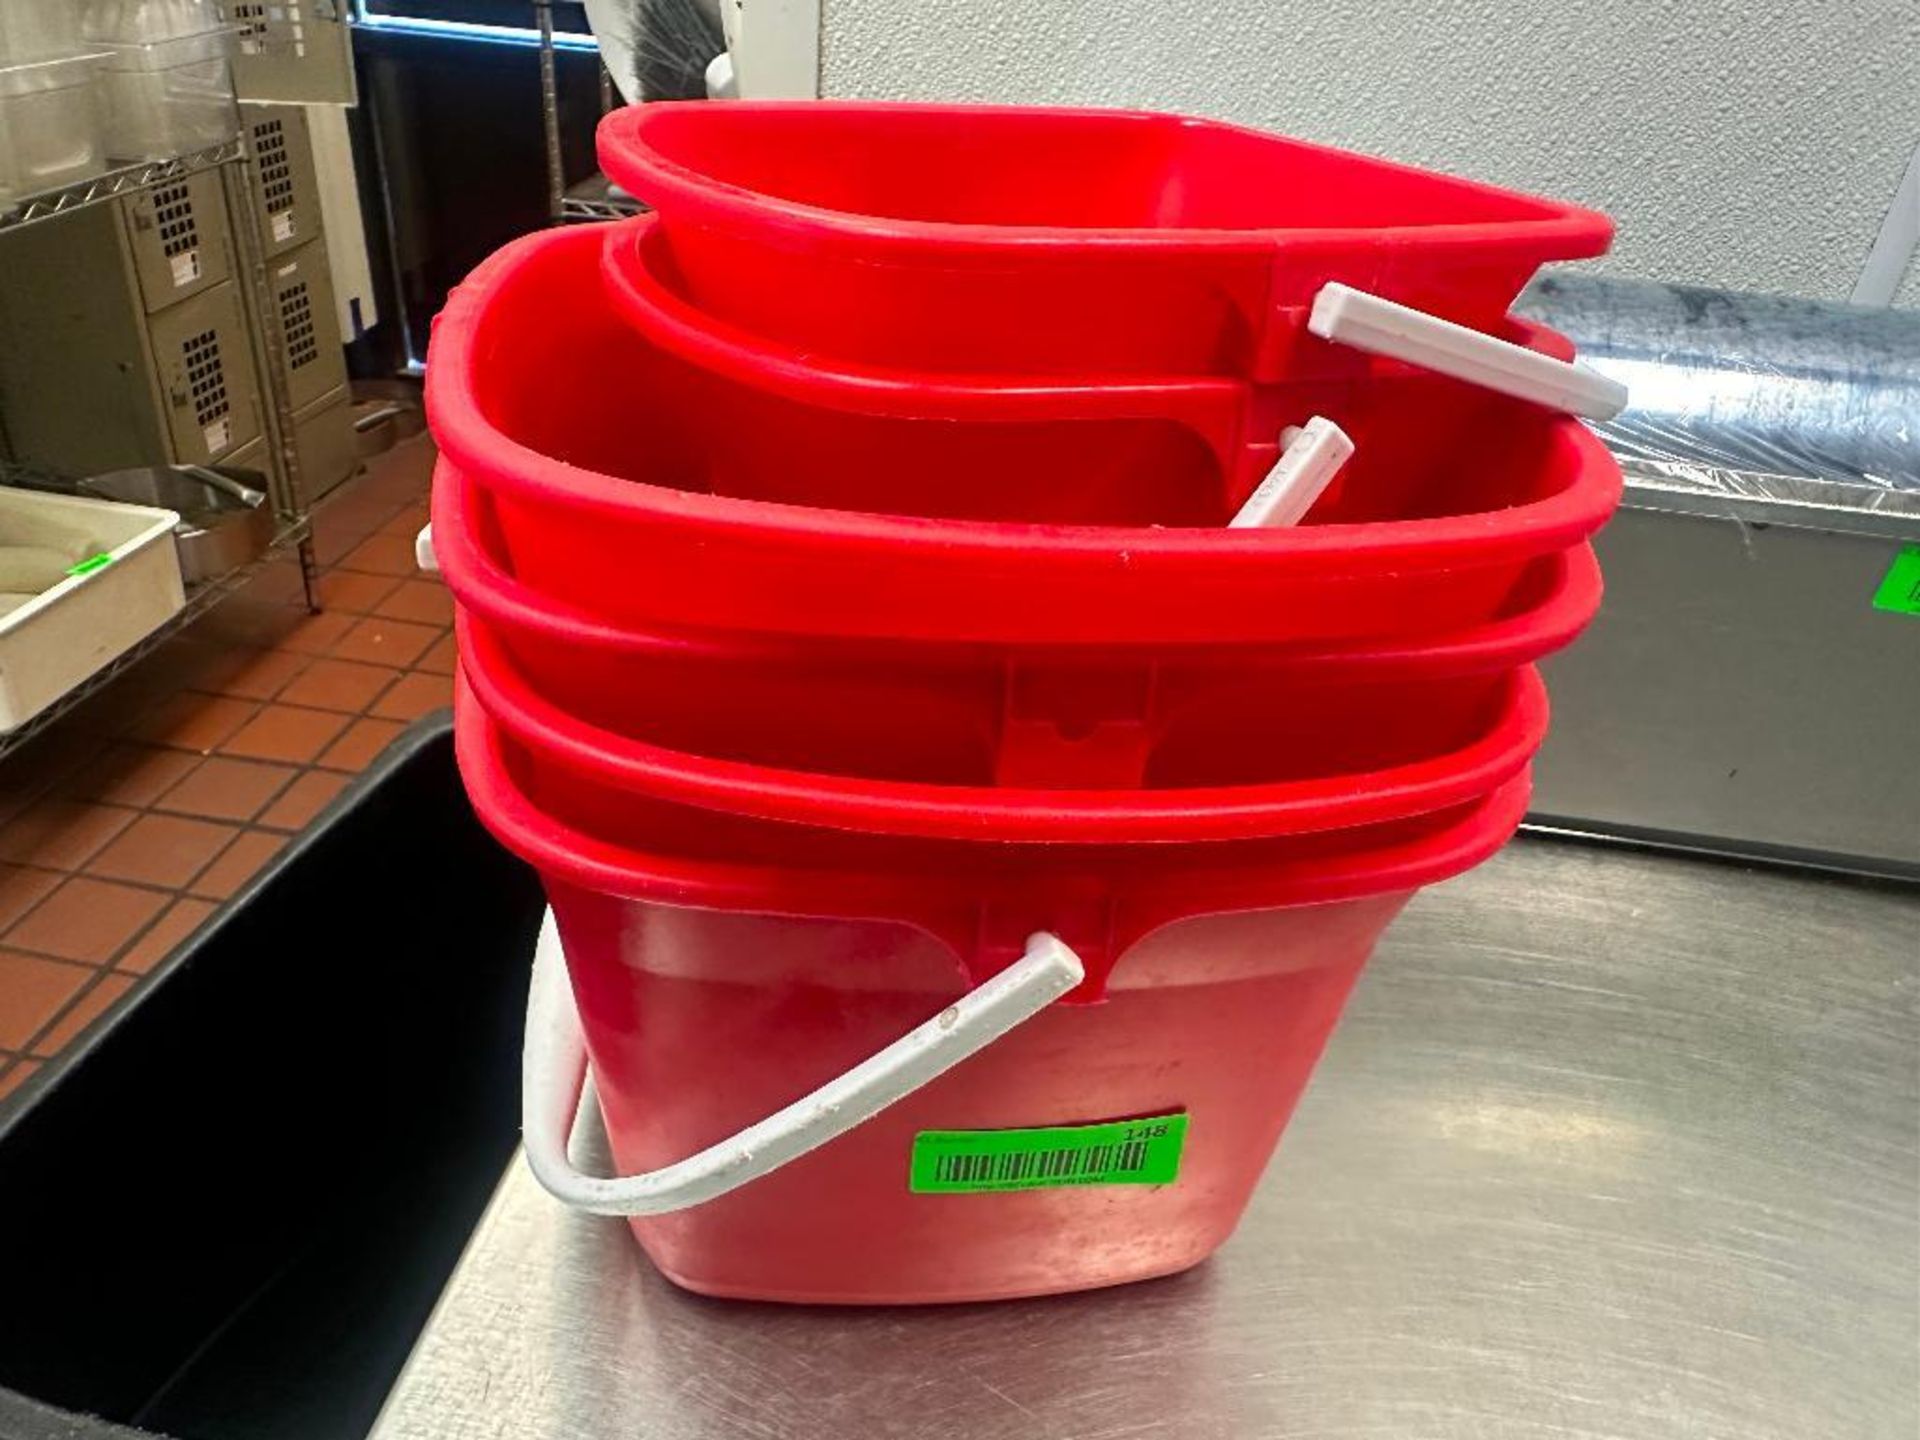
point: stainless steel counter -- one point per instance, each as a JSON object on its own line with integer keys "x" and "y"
{"x": 1609, "y": 1145}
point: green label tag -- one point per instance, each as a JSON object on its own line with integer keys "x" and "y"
{"x": 1121, "y": 1152}
{"x": 1900, "y": 591}
{"x": 91, "y": 564}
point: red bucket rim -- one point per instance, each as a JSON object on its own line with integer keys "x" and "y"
{"x": 665, "y": 319}
{"x": 1005, "y": 814}
{"x": 1563, "y": 231}
{"x": 1065, "y": 554}
{"x": 480, "y": 582}
{"x": 1204, "y": 879}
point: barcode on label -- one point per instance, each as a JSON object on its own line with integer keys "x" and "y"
{"x": 1121, "y": 1152}
{"x": 1127, "y": 1159}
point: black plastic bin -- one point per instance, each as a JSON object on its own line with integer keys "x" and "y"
{"x": 229, "y": 1211}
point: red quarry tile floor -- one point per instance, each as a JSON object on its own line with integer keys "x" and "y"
{"x": 124, "y": 827}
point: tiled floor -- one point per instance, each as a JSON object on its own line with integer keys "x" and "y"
{"x": 125, "y": 826}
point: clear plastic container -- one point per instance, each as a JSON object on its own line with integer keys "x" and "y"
{"x": 49, "y": 125}
{"x": 143, "y": 22}
{"x": 169, "y": 97}
{"x": 38, "y": 30}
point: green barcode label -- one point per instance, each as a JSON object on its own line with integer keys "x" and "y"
{"x": 1900, "y": 591}
{"x": 1119, "y": 1152}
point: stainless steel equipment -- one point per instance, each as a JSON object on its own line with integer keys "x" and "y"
{"x": 225, "y": 519}
{"x": 286, "y": 189}
{"x": 299, "y": 51}
{"x": 139, "y": 323}
{"x": 178, "y": 239}
{"x": 1741, "y": 691}
{"x": 123, "y": 340}
{"x": 286, "y": 215}
{"x": 302, "y": 289}
{"x": 128, "y": 335}
{"x": 323, "y": 435}
{"x": 1609, "y": 1145}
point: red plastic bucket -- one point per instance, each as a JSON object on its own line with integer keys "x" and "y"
{"x": 1062, "y": 241}
{"x": 975, "y": 714}
{"x": 594, "y": 443}
{"x": 713, "y": 991}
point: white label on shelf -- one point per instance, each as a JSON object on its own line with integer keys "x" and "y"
{"x": 282, "y": 226}
{"x": 186, "y": 267}
{"x": 218, "y": 435}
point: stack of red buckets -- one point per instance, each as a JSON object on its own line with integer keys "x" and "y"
{"x": 852, "y": 635}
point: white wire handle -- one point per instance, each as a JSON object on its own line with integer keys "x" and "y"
{"x": 1383, "y": 327}
{"x": 554, "y": 1068}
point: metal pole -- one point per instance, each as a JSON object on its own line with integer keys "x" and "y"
{"x": 238, "y": 182}
{"x": 550, "y": 112}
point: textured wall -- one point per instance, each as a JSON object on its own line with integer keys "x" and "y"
{"x": 1739, "y": 143}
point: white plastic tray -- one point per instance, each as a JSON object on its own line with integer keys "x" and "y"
{"x": 66, "y": 634}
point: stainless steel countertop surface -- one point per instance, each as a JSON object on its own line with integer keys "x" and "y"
{"x": 1608, "y": 1145}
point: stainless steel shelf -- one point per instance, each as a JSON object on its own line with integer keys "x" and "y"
{"x": 200, "y": 599}
{"x": 128, "y": 178}
{"x": 595, "y": 199}
{"x": 588, "y": 199}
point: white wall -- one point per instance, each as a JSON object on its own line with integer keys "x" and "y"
{"x": 1744, "y": 144}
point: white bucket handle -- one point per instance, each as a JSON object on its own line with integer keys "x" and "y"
{"x": 1347, "y": 316}
{"x": 554, "y": 1068}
